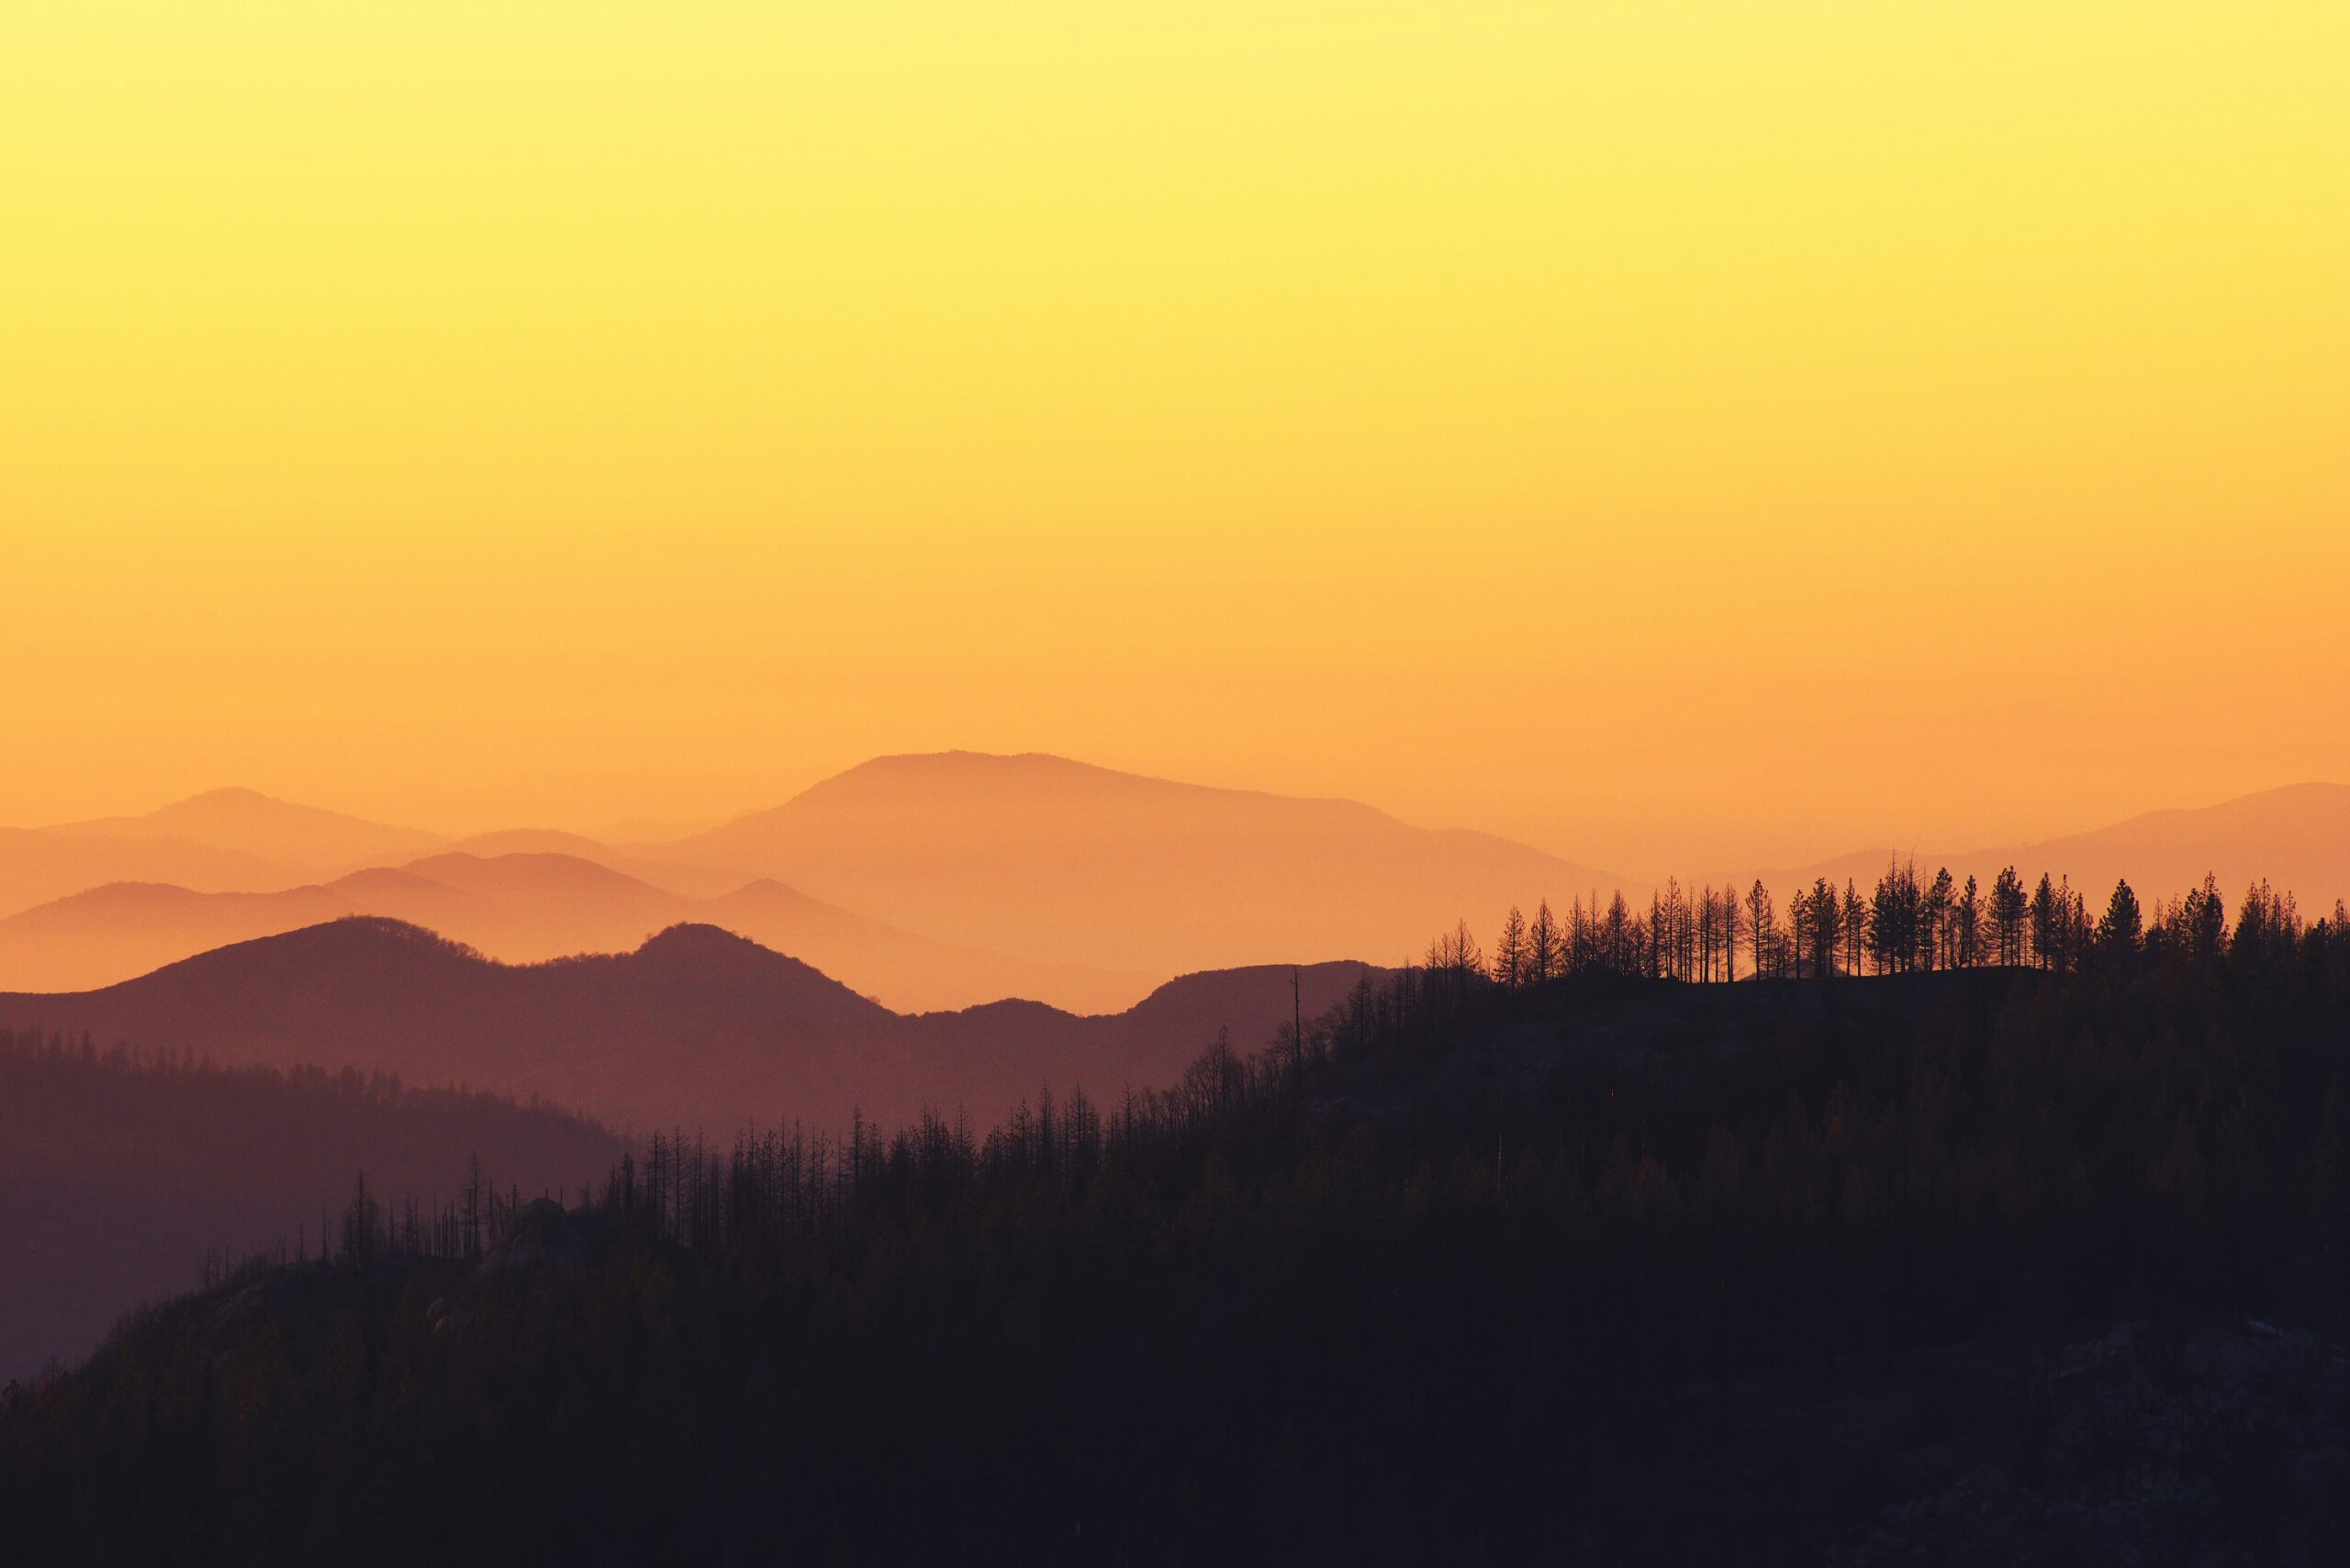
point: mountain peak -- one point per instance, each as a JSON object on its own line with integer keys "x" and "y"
{"x": 227, "y": 795}
{"x": 713, "y": 958}
{"x": 905, "y": 773}
{"x": 523, "y": 872}
{"x": 376, "y": 931}
{"x": 281, "y": 833}
{"x": 697, "y": 939}
{"x": 237, "y": 801}
{"x": 1073, "y": 863}
{"x": 1034, "y": 779}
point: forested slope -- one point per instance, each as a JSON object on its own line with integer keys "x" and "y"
{"x": 120, "y": 1173}
{"x": 1592, "y": 1269}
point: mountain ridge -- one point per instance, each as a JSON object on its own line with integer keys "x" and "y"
{"x": 525, "y": 907}
{"x": 697, "y": 1026}
{"x": 304, "y": 837}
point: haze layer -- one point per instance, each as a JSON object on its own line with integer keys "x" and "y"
{"x": 1825, "y": 424}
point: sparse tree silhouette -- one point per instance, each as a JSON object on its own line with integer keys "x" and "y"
{"x": 2122, "y": 930}
{"x": 1545, "y": 950}
{"x": 2010, "y": 909}
{"x": 1510, "y": 967}
{"x": 1763, "y": 930}
{"x": 1896, "y": 920}
{"x": 1937, "y": 923}
{"x": 1967, "y": 919}
{"x": 1732, "y": 925}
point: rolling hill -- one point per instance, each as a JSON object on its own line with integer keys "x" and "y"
{"x": 38, "y": 864}
{"x": 247, "y": 822}
{"x": 698, "y": 1028}
{"x": 525, "y": 908}
{"x": 939, "y": 881}
{"x": 670, "y": 877}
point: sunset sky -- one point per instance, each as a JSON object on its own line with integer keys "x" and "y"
{"x": 1654, "y": 431}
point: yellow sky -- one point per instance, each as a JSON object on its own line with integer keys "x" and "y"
{"x": 1658, "y": 430}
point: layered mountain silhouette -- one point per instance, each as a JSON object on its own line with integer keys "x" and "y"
{"x": 672, "y": 876}
{"x": 696, "y": 1028}
{"x": 524, "y": 907}
{"x": 124, "y": 929}
{"x": 2297, "y": 837}
{"x": 929, "y": 882}
{"x": 247, "y": 822}
{"x": 223, "y": 841}
{"x": 942, "y": 880}
{"x": 1052, "y": 858}
{"x": 41, "y": 864}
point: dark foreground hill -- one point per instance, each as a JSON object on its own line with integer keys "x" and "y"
{"x": 1989, "y": 1267}
{"x": 697, "y": 1029}
{"x": 119, "y": 1175}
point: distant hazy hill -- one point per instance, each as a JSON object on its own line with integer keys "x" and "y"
{"x": 280, "y": 832}
{"x": 116, "y": 1179}
{"x": 124, "y": 929}
{"x": 1047, "y": 857}
{"x": 698, "y": 1028}
{"x": 940, "y": 882}
{"x": 41, "y": 864}
{"x": 524, "y": 907}
{"x": 2297, "y": 837}
{"x": 671, "y": 876}
{"x": 225, "y": 841}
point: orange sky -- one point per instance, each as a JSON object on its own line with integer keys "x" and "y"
{"x": 1659, "y": 432}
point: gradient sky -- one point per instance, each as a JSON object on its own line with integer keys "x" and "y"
{"x": 1657, "y": 430}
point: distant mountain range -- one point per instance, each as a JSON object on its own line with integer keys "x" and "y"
{"x": 41, "y": 864}
{"x": 939, "y": 881}
{"x": 247, "y": 822}
{"x": 1054, "y": 859}
{"x": 2297, "y": 837}
{"x": 925, "y": 881}
{"x": 697, "y": 1028}
{"x": 525, "y": 908}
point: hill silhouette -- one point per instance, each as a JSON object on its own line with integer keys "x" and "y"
{"x": 247, "y": 822}
{"x": 670, "y": 877}
{"x": 125, "y": 929}
{"x": 524, "y": 907}
{"x": 1054, "y": 859}
{"x": 1989, "y": 1265}
{"x": 942, "y": 880}
{"x": 38, "y": 864}
{"x": 697, "y": 1028}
